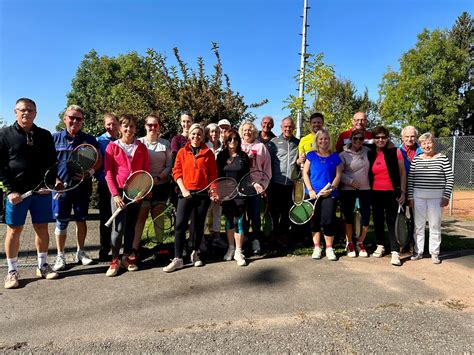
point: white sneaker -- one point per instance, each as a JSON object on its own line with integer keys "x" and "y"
{"x": 46, "y": 272}
{"x": 435, "y": 259}
{"x": 316, "y": 253}
{"x": 416, "y": 256}
{"x": 379, "y": 252}
{"x": 395, "y": 261}
{"x": 175, "y": 264}
{"x": 195, "y": 259}
{"x": 256, "y": 247}
{"x": 361, "y": 250}
{"x": 82, "y": 258}
{"x": 11, "y": 280}
{"x": 59, "y": 263}
{"x": 230, "y": 254}
{"x": 350, "y": 250}
{"x": 240, "y": 258}
{"x": 330, "y": 254}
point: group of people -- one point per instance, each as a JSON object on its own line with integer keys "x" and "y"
{"x": 365, "y": 166}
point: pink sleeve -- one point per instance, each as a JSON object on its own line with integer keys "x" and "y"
{"x": 267, "y": 161}
{"x": 109, "y": 169}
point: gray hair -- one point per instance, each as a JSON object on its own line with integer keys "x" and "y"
{"x": 254, "y": 129}
{"x": 212, "y": 127}
{"x": 426, "y": 137}
{"x": 409, "y": 127}
{"x": 75, "y": 108}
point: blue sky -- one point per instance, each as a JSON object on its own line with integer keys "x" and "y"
{"x": 42, "y": 42}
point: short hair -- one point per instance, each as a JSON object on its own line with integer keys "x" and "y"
{"x": 155, "y": 117}
{"x": 211, "y": 127}
{"x": 110, "y": 115}
{"x": 315, "y": 115}
{"x": 186, "y": 113}
{"x": 27, "y": 100}
{"x": 407, "y": 128}
{"x": 316, "y": 137}
{"x": 288, "y": 118}
{"x": 254, "y": 129}
{"x": 127, "y": 119}
{"x": 196, "y": 126}
{"x": 232, "y": 132}
{"x": 428, "y": 136}
{"x": 269, "y": 117}
{"x": 380, "y": 129}
{"x": 75, "y": 108}
{"x": 357, "y": 132}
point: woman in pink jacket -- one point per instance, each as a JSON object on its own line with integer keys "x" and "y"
{"x": 123, "y": 157}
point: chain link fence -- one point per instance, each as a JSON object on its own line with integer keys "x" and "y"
{"x": 460, "y": 151}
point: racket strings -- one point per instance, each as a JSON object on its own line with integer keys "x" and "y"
{"x": 138, "y": 185}
{"x": 253, "y": 183}
{"x": 224, "y": 189}
{"x": 300, "y": 214}
{"x": 86, "y": 157}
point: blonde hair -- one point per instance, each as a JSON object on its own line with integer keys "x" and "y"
{"x": 316, "y": 137}
{"x": 426, "y": 137}
{"x": 252, "y": 126}
{"x": 196, "y": 126}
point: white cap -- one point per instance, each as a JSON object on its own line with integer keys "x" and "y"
{"x": 224, "y": 122}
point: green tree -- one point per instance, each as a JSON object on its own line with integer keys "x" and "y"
{"x": 140, "y": 85}
{"x": 430, "y": 89}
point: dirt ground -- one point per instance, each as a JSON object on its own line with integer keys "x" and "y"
{"x": 463, "y": 205}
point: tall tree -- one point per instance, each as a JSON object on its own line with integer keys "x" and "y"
{"x": 140, "y": 85}
{"x": 429, "y": 91}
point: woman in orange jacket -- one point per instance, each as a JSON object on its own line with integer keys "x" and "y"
{"x": 194, "y": 169}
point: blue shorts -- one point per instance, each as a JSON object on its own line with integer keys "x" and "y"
{"x": 77, "y": 200}
{"x": 38, "y": 205}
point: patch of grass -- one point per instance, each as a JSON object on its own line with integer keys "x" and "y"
{"x": 456, "y": 242}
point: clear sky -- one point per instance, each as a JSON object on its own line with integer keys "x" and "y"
{"x": 42, "y": 42}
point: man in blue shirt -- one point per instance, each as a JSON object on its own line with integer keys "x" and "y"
{"x": 78, "y": 199}
{"x": 111, "y": 134}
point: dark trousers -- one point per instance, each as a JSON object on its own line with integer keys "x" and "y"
{"x": 194, "y": 208}
{"x": 124, "y": 228}
{"x": 105, "y": 212}
{"x": 384, "y": 209}
{"x": 280, "y": 204}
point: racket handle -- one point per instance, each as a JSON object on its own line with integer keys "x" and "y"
{"x": 26, "y": 194}
{"x": 114, "y": 215}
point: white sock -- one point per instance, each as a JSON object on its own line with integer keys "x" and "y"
{"x": 42, "y": 259}
{"x": 238, "y": 250}
{"x": 12, "y": 264}
{"x": 61, "y": 253}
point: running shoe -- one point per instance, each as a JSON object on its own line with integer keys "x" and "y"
{"x": 195, "y": 259}
{"x": 435, "y": 259}
{"x": 113, "y": 268}
{"x": 11, "y": 280}
{"x": 330, "y": 254}
{"x": 240, "y": 258}
{"x": 230, "y": 254}
{"x": 129, "y": 263}
{"x": 350, "y": 250}
{"x": 46, "y": 272}
{"x": 395, "y": 261}
{"x": 59, "y": 263}
{"x": 317, "y": 253}
{"x": 82, "y": 258}
{"x": 175, "y": 264}
{"x": 361, "y": 250}
{"x": 379, "y": 252}
{"x": 416, "y": 256}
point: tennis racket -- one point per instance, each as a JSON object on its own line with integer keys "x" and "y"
{"x": 222, "y": 188}
{"x": 298, "y": 190}
{"x": 163, "y": 221}
{"x": 301, "y": 214}
{"x": 266, "y": 220}
{"x": 253, "y": 183}
{"x": 401, "y": 227}
{"x": 86, "y": 156}
{"x": 357, "y": 219}
{"x": 74, "y": 172}
{"x": 137, "y": 186}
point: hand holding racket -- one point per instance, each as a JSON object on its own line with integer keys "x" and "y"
{"x": 253, "y": 183}
{"x": 220, "y": 189}
{"x": 301, "y": 214}
{"x": 87, "y": 156}
{"x": 137, "y": 186}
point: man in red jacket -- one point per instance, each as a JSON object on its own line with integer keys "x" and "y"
{"x": 359, "y": 121}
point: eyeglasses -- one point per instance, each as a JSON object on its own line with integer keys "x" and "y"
{"x": 23, "y": 110}
{"x": 361, "y": 139}
{"x": 380, "y": 137}
{"x": 76, "y": 118}
{"x": 152, "y": 125}
{"x": 230, "y": 139}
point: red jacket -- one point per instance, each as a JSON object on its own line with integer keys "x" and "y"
{"x": 196, "y": 171}
{"x": 118, "y": 167}
{"x": 345, "y": 137}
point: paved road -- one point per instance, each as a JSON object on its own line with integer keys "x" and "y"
{"x": 274, "y": 305}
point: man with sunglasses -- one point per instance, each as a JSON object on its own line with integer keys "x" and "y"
{"x": 111, "y": 134}
{"x": 78, "y": 199}
{"x": 26, "y": 153}
{"x": 359, "y": 121}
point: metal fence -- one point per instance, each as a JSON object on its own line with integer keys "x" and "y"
{"x": 460, "y": 151}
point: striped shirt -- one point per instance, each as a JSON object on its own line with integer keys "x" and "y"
{"x": 430, "y": 178}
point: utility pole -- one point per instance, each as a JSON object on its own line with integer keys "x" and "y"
{"x": 299, "y": 121}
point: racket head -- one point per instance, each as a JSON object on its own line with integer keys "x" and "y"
{"x": 138, "y": 185}
{"x": 223, "y": 188}
{"x": 253, "y": 183}
{"x": 298, "y": 192}
{"x": 302, "y": 213}
{"x": 72, "y": 176}
{"x": 85, "y": 155}
{"x": 163, "y": 219}
{"x": 401, "y": 228}
{"x": 266, "y": 219}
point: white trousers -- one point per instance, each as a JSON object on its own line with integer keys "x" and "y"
{"x": 428, "y": 209}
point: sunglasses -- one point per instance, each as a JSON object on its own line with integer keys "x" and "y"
{"x": 76, "y": 118}
{"x": 381, "y": 137}
{"x": 152, "y": 125}
{"x": 230, "y": 139}
{"x": 360, "y": 139}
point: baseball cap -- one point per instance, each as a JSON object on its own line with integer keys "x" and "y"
{"x": 224, "y": 122}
